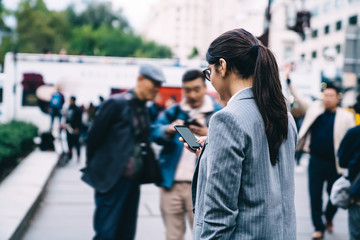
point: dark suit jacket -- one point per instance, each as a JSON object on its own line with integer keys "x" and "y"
{"x": 110, "y": 142}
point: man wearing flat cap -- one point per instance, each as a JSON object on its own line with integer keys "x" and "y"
{"x": 114, "y": 155}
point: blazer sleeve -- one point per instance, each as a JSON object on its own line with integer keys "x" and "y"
{"x": 225, "y": 158}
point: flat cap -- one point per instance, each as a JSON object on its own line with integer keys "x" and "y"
{"x": 152, "y": 72}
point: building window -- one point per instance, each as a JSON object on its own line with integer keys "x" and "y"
{"x": 288, "y": 53}
{"x": 302, "y": 56}
{"x": 339, "y": 3}
{"x": 314, "y": 33}
{"x": 327, "y": 6}
{"x": 326, "y": 29}
{"x": 353, "y": 20}
{"x": 324, "y": 50}
{"x": 338, "y": 48}
{"x": 315, "y": 12}
{"x": 314, "y": 54}
{"x": 338, "y": 25}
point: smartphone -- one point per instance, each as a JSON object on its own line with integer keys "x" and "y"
{"x": 188, "y": 136}
{"x": 192, "y": 121}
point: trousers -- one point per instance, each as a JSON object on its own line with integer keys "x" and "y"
{"x": 176, "y": 205}
{"x": 116, "y": 211}
{"x": 321, "y": 171}
{"x": 354, "y": 222}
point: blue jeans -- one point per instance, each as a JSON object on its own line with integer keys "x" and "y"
{"x": 354, "y": 222}
{"x": 53, "y": 114}
{"x": 321, "y": 171}
{"x": 116, "y": 211}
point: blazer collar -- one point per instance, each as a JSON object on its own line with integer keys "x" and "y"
{"x": 246, "y": 93}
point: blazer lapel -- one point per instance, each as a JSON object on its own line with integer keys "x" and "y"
{"x": 195, "y": 176}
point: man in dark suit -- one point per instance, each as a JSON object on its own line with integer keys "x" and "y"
{"x": 114, "y": 156}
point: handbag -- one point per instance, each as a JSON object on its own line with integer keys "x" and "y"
{"x": 150, "y": 168}
{"x": 340, "y": 192}
{"x": 150, "y": 172}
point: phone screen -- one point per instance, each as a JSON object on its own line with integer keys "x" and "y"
{"x": 188, "y": 136}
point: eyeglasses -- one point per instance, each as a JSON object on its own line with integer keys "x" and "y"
{"x": 207, "y": 74}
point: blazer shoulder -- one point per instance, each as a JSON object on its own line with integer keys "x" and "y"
{"x": 226, "y": 116}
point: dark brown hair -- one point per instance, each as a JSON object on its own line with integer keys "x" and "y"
{"x": 247, "y": 57}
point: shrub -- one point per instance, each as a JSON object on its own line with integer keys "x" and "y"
{"x": 16, "y": 140}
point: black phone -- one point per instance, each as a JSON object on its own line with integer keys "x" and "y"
{"x": 188, "y": 136}
{"x": 192, "y": 121}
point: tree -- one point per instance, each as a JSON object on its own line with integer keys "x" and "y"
{"x": 5, "y": 34}
{"x": 83, "y": 40}
{"x": 97, "y": 30}
{"x": 194, "y": 53}
{"x": 97, "y": 14}
{"x": 3, "y": 12}
{"x": 39, "y": 29}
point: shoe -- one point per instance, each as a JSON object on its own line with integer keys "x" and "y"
{"x": 317, "y": 235}
{"x": 329, "y": 227}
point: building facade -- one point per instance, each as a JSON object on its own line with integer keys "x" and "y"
{"x": 329, "y": 23}
{"x": 186, "y": 25}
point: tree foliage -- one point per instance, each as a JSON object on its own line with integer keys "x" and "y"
{"x": 96, "y": 30}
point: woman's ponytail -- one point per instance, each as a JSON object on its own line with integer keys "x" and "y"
{"x": 270, "y": 100}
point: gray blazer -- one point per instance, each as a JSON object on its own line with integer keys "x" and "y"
{"x": 237, "y": 193}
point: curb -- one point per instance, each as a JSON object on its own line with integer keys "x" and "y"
{"x": 22, "y": 191}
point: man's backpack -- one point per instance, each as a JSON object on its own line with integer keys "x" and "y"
{"x": 56, "y": 101}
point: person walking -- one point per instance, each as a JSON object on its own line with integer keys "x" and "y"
{"x": 114, "y": 155}
{"x": 56, "y": 104}
{"x": 73, "y": 125}
{"x": 321, "y": 132}
{"x": 177, "y": 165}
{"x": 349, "y": 157}
{"x": 243, "y": 185}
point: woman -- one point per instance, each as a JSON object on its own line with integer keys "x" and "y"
{"x": 244, "y": 180}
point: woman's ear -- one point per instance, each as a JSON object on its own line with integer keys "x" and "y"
{"x": 222, "y": 67}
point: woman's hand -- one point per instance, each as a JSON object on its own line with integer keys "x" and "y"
{"x": 201, "y": 141}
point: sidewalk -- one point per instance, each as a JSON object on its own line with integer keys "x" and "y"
{"x": 21, "y": 192}
{"x": 302, "y": 205}
{"x": 67, "y": 208}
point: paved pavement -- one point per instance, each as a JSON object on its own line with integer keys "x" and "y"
{"x": 21, "y": 191}
{"x": 66, "y": 210}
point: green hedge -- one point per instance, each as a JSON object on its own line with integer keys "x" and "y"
{"x": 16, "y": 140}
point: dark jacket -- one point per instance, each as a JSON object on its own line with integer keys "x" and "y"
{"x": 349, "y": 157}
{"x": 110, "y": 142}
{"x": 74, "y": 116}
